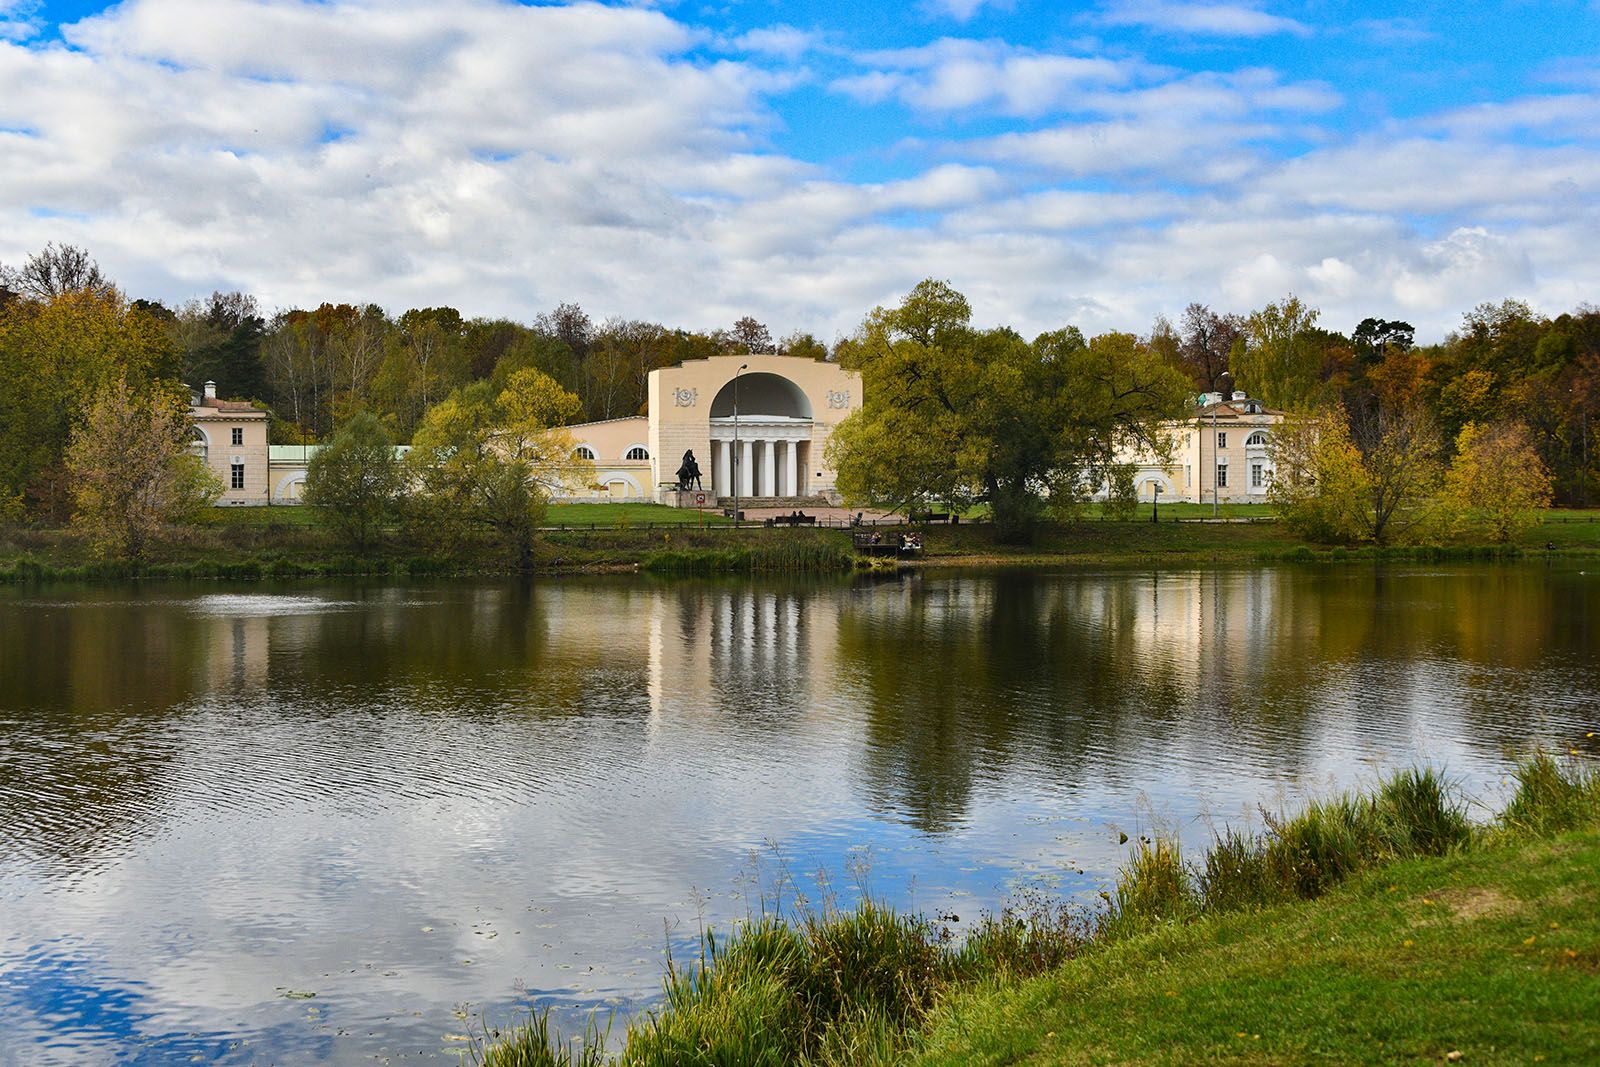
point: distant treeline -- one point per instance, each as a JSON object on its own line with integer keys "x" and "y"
{"x": 66, "y": 329}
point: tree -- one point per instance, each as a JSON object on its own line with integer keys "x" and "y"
{"x": 960, "y": 415}
{"x": 752, "y": 336}
{"x": 490, "y": 460}
{"x": 1330, "y": 488}
{"x": 803, "y": 346}
{"x": 57, "y": 271}
{"x": 132, "y": 470}
{"x": 54, "y": 356}
{"x": 1281, "y": 363}
{"x": 1497, "y": 480}
{"x": 1206, "y": 343}
{"x": 356, "y": 480}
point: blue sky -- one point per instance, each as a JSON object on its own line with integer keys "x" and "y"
{"x": 1094, "y": 163}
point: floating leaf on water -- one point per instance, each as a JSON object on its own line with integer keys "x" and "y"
{"x": 298, "y": 994}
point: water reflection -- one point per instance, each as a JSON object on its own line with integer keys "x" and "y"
{"x": 406, "y": 797}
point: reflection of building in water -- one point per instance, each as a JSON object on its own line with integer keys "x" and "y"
{"x": 235, "y": 651}
{"x": 737, "y": 649}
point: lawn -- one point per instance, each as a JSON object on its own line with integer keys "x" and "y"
{"x": 1491, "y": 954}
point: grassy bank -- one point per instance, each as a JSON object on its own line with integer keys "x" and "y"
{"x": 1368, "y": 928}
{"x": 246, "y": 543}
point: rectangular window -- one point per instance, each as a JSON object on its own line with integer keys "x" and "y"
{"x": 238, "y": 436}
{"x": 1222, "y": 441}
{"x": 236, "y": 475}
{"x": 1255, "y": 476}
{"x": 1222, "y": 476}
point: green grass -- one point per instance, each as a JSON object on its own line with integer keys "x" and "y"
{"x": 1368, "y": 928}
{"x": 1492, "y": 953}
{"x": 631, "y": 514}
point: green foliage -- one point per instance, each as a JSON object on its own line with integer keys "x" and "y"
{"x": 355, "y": 480}
{"x": 791, "y": 553}
{"x": 961, "y": 415}
{"x": 1282, "y": 360}
{"x": 1122, "y": 498}
{"x": 488, "y": 460}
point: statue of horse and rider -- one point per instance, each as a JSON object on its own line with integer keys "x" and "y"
{"x": 689, "y": 473}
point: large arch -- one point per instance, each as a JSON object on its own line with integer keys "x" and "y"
{"x": 762, "y": 394}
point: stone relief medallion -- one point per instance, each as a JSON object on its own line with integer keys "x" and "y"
{"x": 685, "y": 398}
{"x": 838, "y": 398}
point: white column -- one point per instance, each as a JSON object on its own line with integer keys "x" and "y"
{"x": 769, "y": 470}
{"x": 721, "y": 472}
{"x": 746, "y": 468}
{"x": 791, "y": 468}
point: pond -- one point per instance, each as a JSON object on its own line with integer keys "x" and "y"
{"x": 423, "y": 801}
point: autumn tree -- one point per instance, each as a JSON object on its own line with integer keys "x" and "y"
{"x": 1206, "y": 343}
{"x": 751, "y": 336}
{"x": 1330, "y": 487}
{"x": 55, "y": 354}
{"x": 490, "y": 460}
{"x": 57, "y": 271}
{"x": 355, "y": 479}
{"x": 132, "y": 470}
{"x": 1497, "y": 481}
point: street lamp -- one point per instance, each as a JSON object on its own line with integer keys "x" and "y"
{"x": 1155, "y": 497}
{"x": 742, "y": 368}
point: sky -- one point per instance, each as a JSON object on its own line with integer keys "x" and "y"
{"x": 1095, "y": 164}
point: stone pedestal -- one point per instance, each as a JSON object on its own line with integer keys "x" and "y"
{"x": 669, "y": 494}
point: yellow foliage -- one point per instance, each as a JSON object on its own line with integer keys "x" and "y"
{"x": 1497, "y": 482}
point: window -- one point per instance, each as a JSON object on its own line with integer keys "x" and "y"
{"x": 1256, "y": 478}
{"x": 1222, "y": 441}
{"x": 583, "y": 452}
{"x": 637, "y": 452}
{"x": 236, "y": 476}
{"x": 1256, "y": 440}
{"x": 238, "y": 436}
{"x": 1222, "y": 476}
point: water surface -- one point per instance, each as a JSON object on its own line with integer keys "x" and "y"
{"x": 406, "y": 798}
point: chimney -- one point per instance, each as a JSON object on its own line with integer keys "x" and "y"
{"x": 211, "y": 390}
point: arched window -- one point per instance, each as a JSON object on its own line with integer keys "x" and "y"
{"x": 583, "y": 452}
{"x": 637, "y": 452}
{"x": 1256, "y": 440}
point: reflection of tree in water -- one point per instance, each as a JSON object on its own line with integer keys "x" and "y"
{"x": 84, "y": 695}
{"x": 967, "y": 678}
{"x": 968, "y": 681}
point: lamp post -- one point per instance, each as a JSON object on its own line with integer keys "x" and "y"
{"x": 742, "y": 368}
{"x": 1155, "y": 497}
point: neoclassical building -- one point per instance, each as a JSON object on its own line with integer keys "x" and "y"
{"x": 231, "y": 438}
{"x": 764, "y": 419}
{"x": 1222, "y": 450}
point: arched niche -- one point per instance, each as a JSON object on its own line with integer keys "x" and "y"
{"x": 760, "y": 394}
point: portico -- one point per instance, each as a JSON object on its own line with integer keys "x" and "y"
{"x": 771, "y": 451}
{"x": 758, "y": 425}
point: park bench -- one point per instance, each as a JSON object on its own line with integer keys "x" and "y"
{"x": 797, "y": 519}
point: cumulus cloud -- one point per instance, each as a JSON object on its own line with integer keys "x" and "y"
{"x": 1209, "y": 20}
{"x": 502, "y": 158}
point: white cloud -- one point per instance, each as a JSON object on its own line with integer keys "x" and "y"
{"x": 502, "y": 158}
{"x": 960, "y": 10}
{"x": 1210, "y": 20}
{"x": 958, "y": 75}
{"x": 783, "y": 41}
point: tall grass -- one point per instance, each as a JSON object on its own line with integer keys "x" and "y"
{"x": 772, "y": 555}
{"x": 1552, "y": 796}
{"x": 851, "y": 987}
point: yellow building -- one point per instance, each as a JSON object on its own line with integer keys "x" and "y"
{"x": 1222, "y": 450}
{"x": 231, "y": 437}
{"x": 766, "y": 419}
